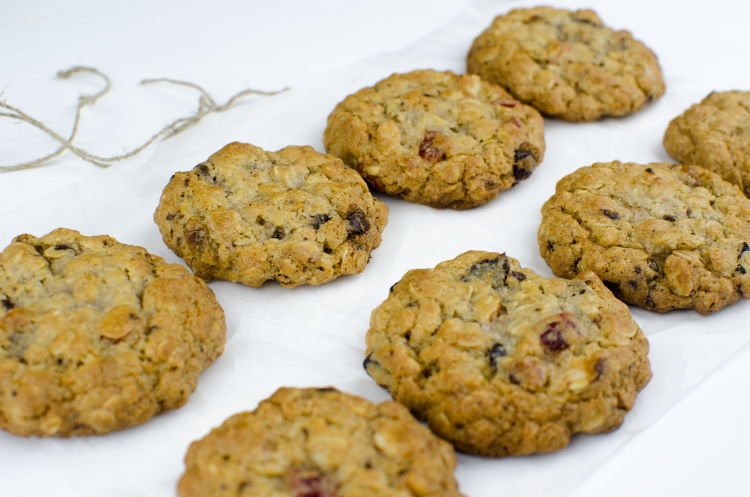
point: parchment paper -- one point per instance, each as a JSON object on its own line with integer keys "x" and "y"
{"x": 314, "y": 336}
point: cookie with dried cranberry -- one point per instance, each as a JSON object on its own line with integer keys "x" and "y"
{"x": 715, "y": 134}
{"x": 661, "y": 236}
{"x": 567, "y": 64}
{"x": 319, "y": 442}
{"x": 295, "y": 216}
{"x": 437, "y": 139}
{"x": 97, "y": 336}
{"x": 501, "y": 361}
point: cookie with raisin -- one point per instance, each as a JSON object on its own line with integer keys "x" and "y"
{"x": 661, "y": 236}
{"x": 437, "y": 139}
{"x": 97, "y": 336}
{"x": 323, "y": 443}
{"x": 295, "y": 216}
{"x": 501, "y": 361}
{"x": 567, "y": 64}
{"x": 715, "y": 134}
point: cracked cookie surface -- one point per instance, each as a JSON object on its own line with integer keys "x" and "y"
{"x": 295, "y": 216}
{"x": 320, "y": 443}
{"x": 567, "y": 64}
{"x": 715, "y": 134}
{"x": 97, "y": 336}
{"x": 661, "y": 236}
{"x": 501, "y": 361}
{"x": 437, "y": 139}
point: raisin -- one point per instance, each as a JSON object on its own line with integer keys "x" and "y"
{"x": 483, "y": 265}
{"x": 586, "y": 21}
{"x": 427, "y": 151}
{"x": 745, "y": 248}
{"x": 326, "y": 389}
{"x": 320, "y": 219}
{"x": 196, "y": 236}
{"x": 278, "y": 234}
{"x": 612, "y": 215}
{"x": 638, "y": 270}
{"x": 520, "y": 173}
{"x": 653, "y": 265}
{"x": 649, "y": 301}
{"x": 203, "y": 169}
{"x": 648, "y": 169}
{"x": 497, "y": 351}
{"x": 613, "y": 287}
{"x": 550, "y": 246}
{"x": 367, "y": 361}
{"x": 633, "y": 283}
{"x": 518, "y": 276}
{"x": 741, "y": 270}
{"x": 508, "y": 104}
{"x": 392, "y": 286}
{"x": 505, "y": 265}
{"x": 7, "y": 304}
{"x": 187, "y": 181}
{"x": 357, "y": 223}
{"x": 669, "y": 218}
{"x": 170, "y": 217}
{"x": 60, "y": 246}
{"x": 521, "y": 155}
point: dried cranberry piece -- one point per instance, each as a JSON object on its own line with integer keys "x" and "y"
{"x": 612, "y": 215}
{"x": 310, "y": 484}
{"x": 429, "y": 152}
{"x": 196, "y": 236}
{"x": 552, "y": 338}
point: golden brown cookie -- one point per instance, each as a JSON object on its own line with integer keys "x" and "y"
{"x": 501, "y": 361}
{"x": 567, "y": 64}
{"x": 97, "y": 336}
{"x": 295, "y": 216}
{"x": 437, "y": 139}
{"x": 661, "y": 236}
{"x": 715, "y": 134}
{"x": 319, "y": 442}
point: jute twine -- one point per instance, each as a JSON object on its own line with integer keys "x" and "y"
{"x": 206, "y": 105}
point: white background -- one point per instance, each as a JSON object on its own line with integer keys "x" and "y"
{"x": 697, "y": 446}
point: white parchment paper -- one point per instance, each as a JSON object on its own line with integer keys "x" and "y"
{"x": 314, "y": 336}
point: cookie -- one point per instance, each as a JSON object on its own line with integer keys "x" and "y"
{"x": 437, "y": 139}
{"x": 295, "y": 216}
{"x": 320, "y": 443}
{"x": 715, "y": 134}
{"x": 501, "y": 361}
{"x": 661, "y": 236}
{"x": 567, "y": 64}
{"x": 98, "y": 336}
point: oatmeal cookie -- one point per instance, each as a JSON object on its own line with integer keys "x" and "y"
{"x": 501, "y": 361}
{"x": 567, "y": 64}
{"x": 437, "y": 139}
{"x": 715, "y": 134}
{"x": 295, "y": 216}
{"x": 661, "y": 236}
{"x": 320, "y": 443}
{"x": 97, "y": 336}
